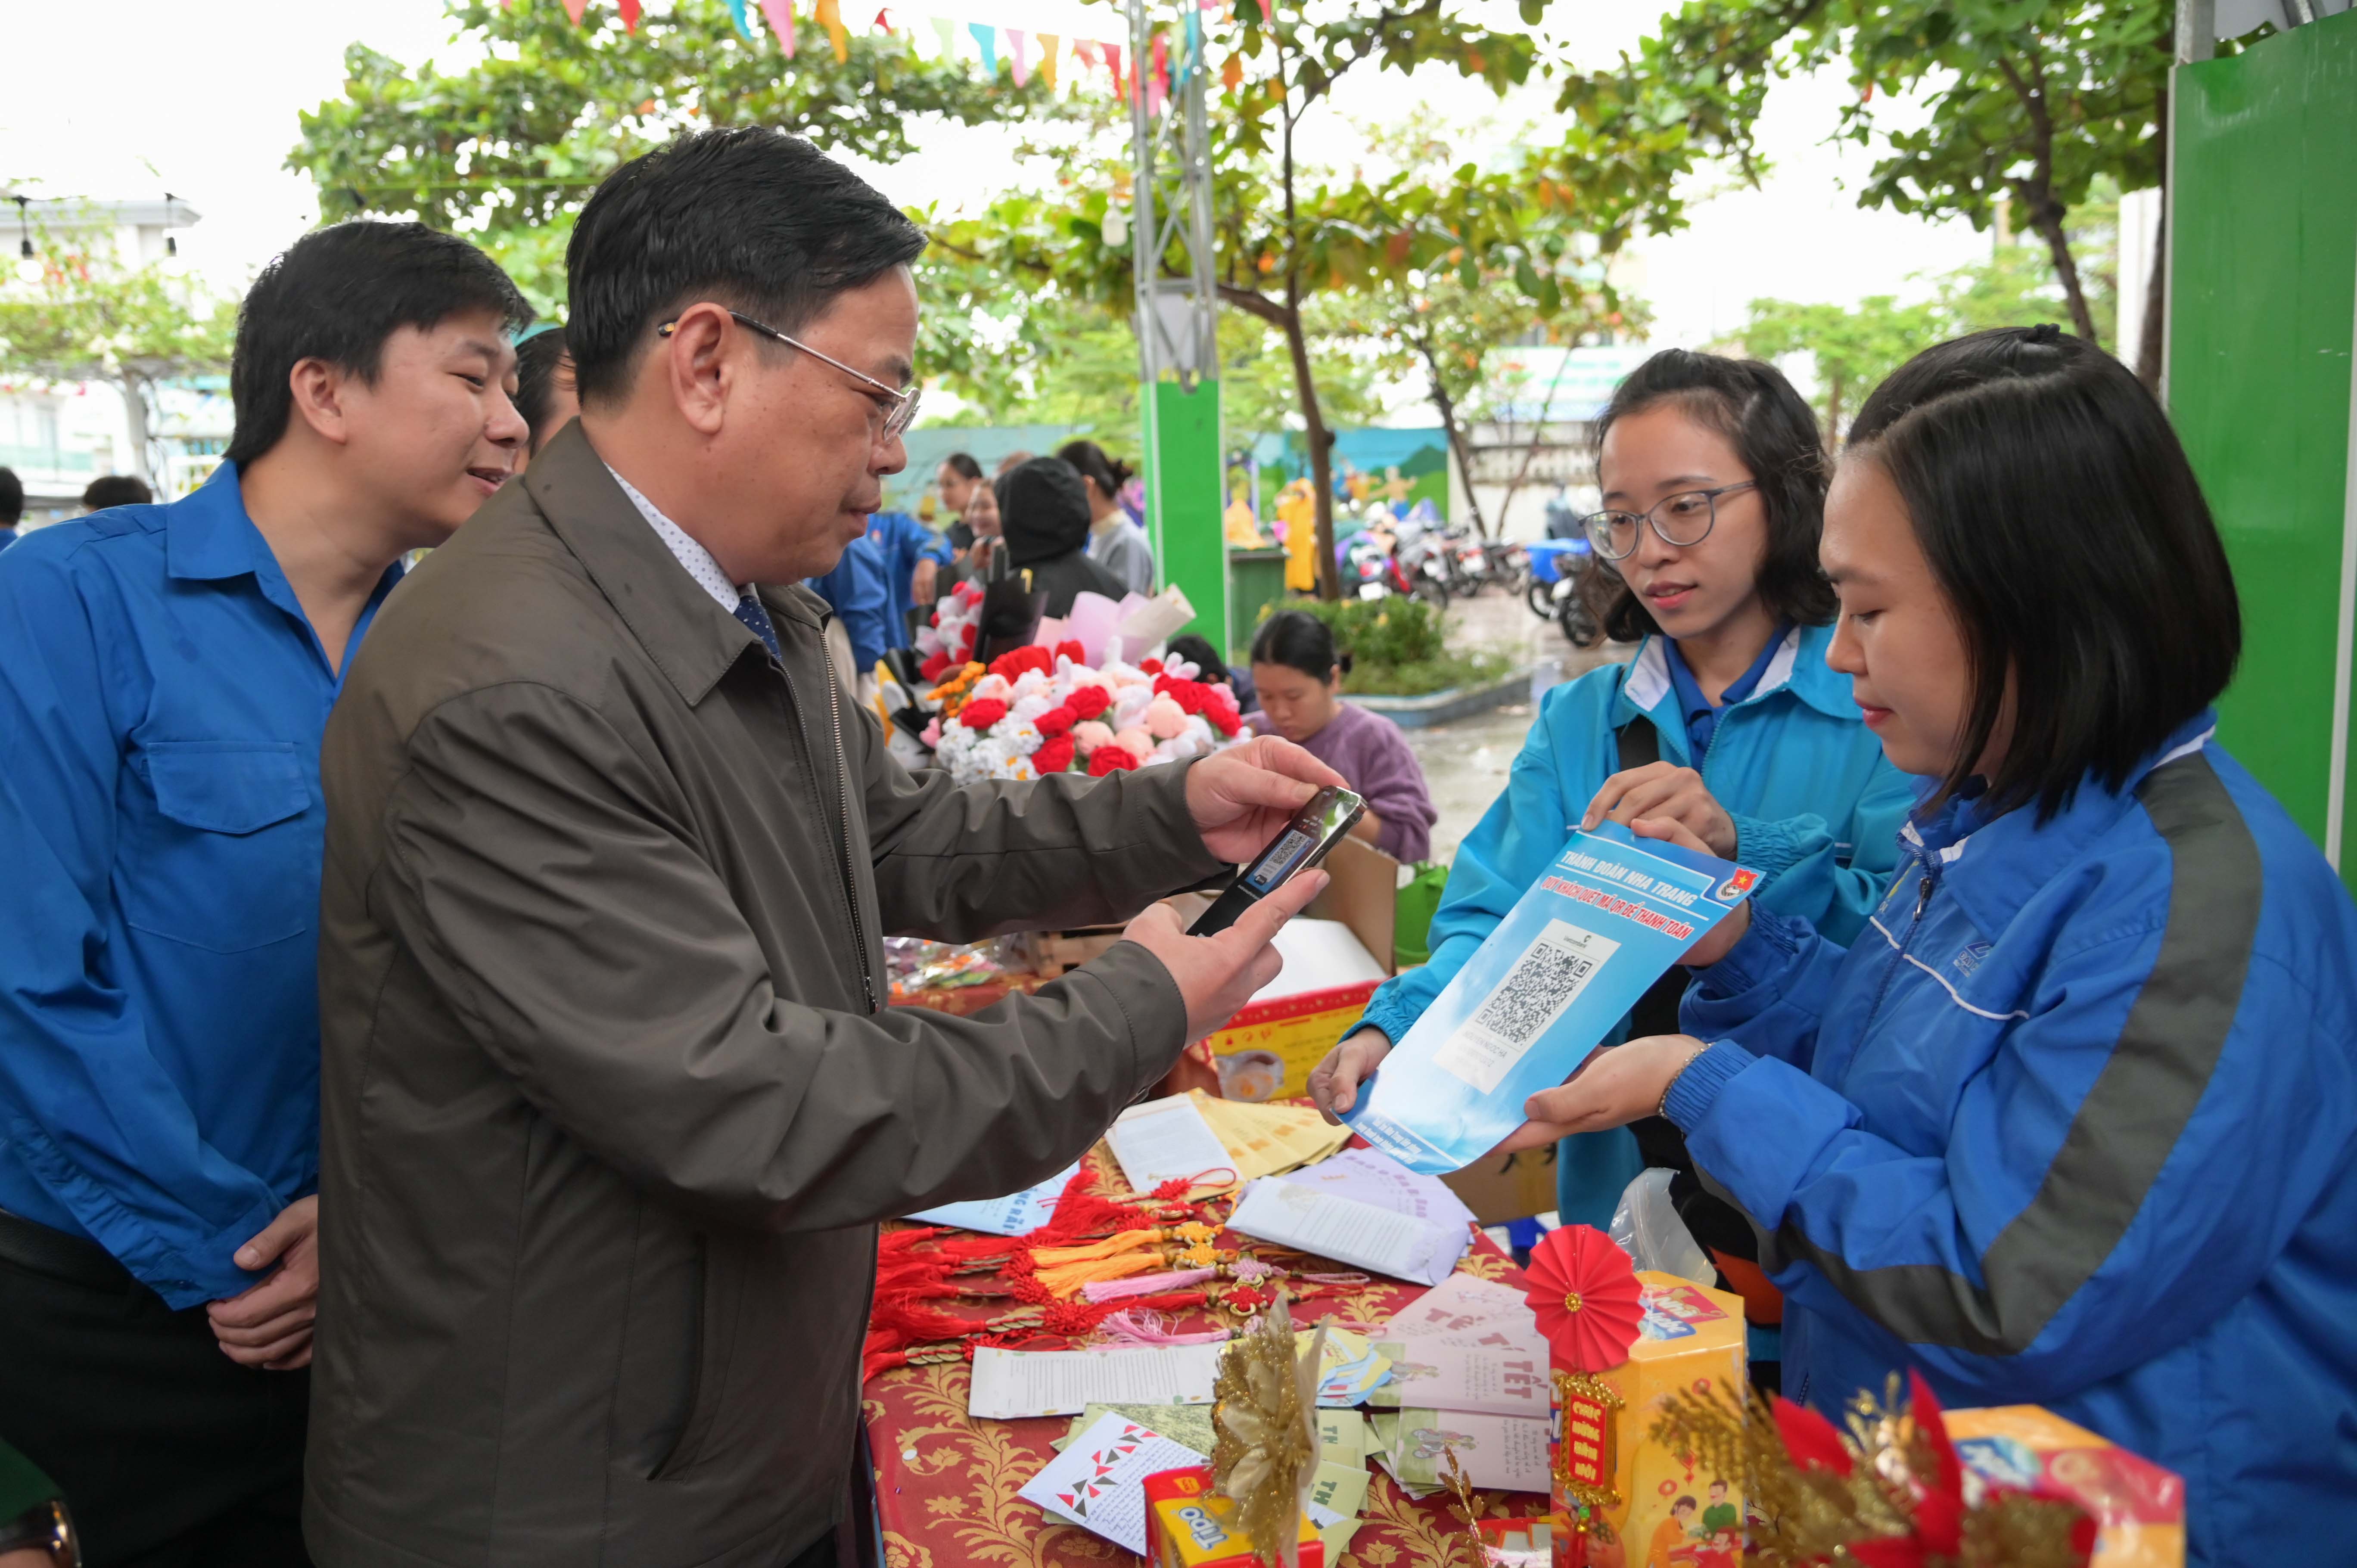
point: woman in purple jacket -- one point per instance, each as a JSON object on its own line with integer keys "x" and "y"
{"x": 1299, "y": 679}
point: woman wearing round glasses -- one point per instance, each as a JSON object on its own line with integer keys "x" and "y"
{"x": 1726, "y": 721}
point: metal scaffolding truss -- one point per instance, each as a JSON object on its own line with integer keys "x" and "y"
{"x": 1171, "y": 144}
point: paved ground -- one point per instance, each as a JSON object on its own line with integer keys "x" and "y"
{"x": 1466, "y": 763}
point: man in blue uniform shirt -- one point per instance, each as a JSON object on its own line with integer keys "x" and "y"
{"x": 164, "y": 674}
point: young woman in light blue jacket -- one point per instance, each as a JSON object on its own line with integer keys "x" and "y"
{"x": 1726, "y": 721}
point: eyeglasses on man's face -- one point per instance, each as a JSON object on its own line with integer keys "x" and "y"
{"x": 1681, "y": 519}
{"x": 897, "y": 405}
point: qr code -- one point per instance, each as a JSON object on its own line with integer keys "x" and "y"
{"x": 1534, "y": 993}
{"x": 1543, "y": 981}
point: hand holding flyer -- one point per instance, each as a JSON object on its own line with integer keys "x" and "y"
{"x": 1566, "y": 963}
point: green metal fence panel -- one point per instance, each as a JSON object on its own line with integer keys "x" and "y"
{"x": 2263, "y": 309}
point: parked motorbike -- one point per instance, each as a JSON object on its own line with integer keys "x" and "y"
{"x": 1373, "y": 566}
{"x": 1557, "y": 566}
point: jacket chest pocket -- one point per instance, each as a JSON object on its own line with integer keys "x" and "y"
{"x": 226, "y": 860}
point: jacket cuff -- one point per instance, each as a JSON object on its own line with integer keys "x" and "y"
{"x": 1772, "y": 848}
{"x": 1695, "y": 1089}
{"x": 1152, "y": 1004}
{"x": 1766, "y": 947}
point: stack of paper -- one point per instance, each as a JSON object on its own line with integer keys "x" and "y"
{"x": 1348, "y": 1231}
{"x": 1217, "y": 1144}
{"x": 1264, "y": 1140}
{"x": 1459, "y": 1304}
{"x": 1501, "y": 1450}
{"x": 1166, "y": 1140}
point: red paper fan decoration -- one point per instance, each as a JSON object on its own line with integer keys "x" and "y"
{"x": 1586, "y": 1296}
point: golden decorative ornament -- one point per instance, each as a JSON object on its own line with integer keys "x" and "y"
{"x": 1264, "y": 1411}
{"x": 1571, "y": 1300}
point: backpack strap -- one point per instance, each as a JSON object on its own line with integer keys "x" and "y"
{"x": 1640, "y": 743}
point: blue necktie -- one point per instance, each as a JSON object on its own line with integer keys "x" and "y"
{"x": 751, "y": 611}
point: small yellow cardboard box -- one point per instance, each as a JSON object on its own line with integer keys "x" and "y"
{"x": 1664, "y": 1510}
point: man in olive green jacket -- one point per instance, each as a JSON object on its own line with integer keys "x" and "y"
{"x": 610, "y": 1099}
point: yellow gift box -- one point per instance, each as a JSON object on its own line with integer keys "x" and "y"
{"x": 2138, "y": 1507}
{"x": 1660, "y": 1510}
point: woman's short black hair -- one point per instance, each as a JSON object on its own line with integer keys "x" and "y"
{"x": 1775, "y": 435}
{"x": 337, "y": 294}
{"x": 1299, "y": 640}
{"x": 2064, "y": 523}
{"x": 751, "y": 217}
{"x": 1095, "y": 463}
{"x": 964, "y": 465}
{"x": 115, "y": 489}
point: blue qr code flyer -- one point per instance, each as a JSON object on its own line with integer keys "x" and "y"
{"x": 1610, "y": 916}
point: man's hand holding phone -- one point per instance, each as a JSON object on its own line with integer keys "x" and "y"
{"x": 1218, "y": 975}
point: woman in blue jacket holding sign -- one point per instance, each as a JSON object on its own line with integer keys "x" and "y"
{"x": 2073, "y": 1121}
{"x": 1727, "y": 720}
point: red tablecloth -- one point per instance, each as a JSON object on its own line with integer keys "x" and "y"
{"x": 946, "y": 1483}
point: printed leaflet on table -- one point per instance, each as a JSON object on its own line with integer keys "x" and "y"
{"x": 1349, "y": 1232}
{"x": 1565, "y": 965}
{"x": 1166, "y": 1139}
{"x": 1099, "y": 1482}
{"x": 1010, "y": 1384}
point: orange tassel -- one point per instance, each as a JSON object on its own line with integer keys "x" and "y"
{"x": 1112, "y": 1246}
{"x": 1066, "y": 1280}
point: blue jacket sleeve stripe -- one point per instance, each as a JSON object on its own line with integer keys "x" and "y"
{"x": 2131, "y": 1118}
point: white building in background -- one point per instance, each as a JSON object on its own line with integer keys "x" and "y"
{"x": 58, "y": 436}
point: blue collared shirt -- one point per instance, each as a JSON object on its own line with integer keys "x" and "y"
{"x": 1702, "y": 718}
{"x": 162, "y": 698}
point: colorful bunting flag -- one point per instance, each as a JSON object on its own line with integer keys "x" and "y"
{"x": 629, "y": 15}
{"x": 780, "y": 17}
{"x": 1112, "y": 64}
{"x": 830, "y": 17}
{"x": 882, "y": 22}
{"x": 948, "y": 31}
{"x": 987, "y": 37}
{"x": 1015, "y": 53}
{"x": 737, "y": 14}
{"x": 1232, "y": 73}
{"x": 574, "y": 9}
{"x": 1158, "y": 75}
{"x": 1048, "y": 42}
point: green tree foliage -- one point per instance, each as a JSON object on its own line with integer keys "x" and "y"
{"x": 508, "y": 148}
{"x": 2031, "y": 103}
{"x": 1289, "y": 234}
{"x": 89, "y": 317}
{"x": 1854, "y": 346}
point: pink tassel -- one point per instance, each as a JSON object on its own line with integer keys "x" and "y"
{"x": 1151, "y": 1327}
{"x": 1143, "y": 1284}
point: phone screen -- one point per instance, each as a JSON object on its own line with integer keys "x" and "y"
{"x": 1327, "y": 817}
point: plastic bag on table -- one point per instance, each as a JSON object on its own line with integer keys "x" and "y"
{"x": 1646, "y": 1226}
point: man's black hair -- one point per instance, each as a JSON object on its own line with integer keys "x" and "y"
{"x": 2064, "y": 523}
{"x": 1299, "y": 640}
{"x": 752, "y": 219}
{"x": 115, "y": 489}
{"x": 1196, "y": 649}
{"x": 337, "y": 294}
{"x": 538, "y": 360}
{"x": 12, "y": 498}
{"x": 1775, "y": 435}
